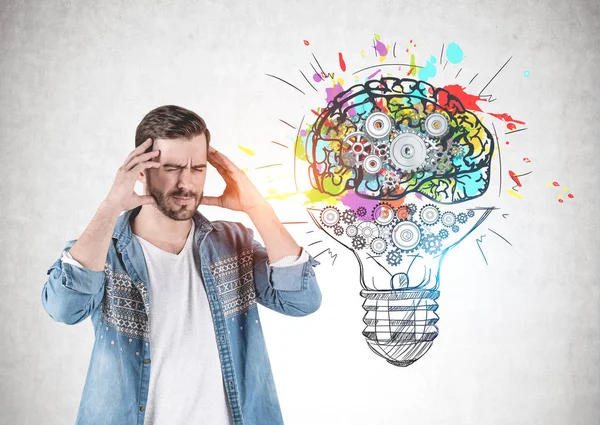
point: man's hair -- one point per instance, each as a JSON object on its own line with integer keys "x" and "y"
{"x": 170, "y": 122}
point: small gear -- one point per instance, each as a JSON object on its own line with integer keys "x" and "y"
{"x": 436, "y": 125}
{"x": 462, "y": 218}
{"x": 383, "y": 150}
{"x": 361, "y": 211}
{"x": 448, "y": 219}
{"x": 390, "y": 179}
{"x": 471, "y": 213}
{"x": 431, "y": 244}
{"x": 443, "y": 234}
{"x": 412, "y": 208}
{"x": 358, "y": 242}
{"x": 430, "y": 214}
{"x": 383, "y": 214}
{"x": 394, "y": 257}
{"x": 378, "y": 245}
{"x": 348, "y": 216}
{"x": 330, "y": 216}
{"x": 351, "y": 231}
{"x": 455, "y": 228}
{"x": 456, "y": 150}
{"x": 338, "y": 230}
{"x": 403, "y": 213}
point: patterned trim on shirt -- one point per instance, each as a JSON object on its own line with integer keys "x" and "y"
{"x": 234, "y": 276}
{"x": 123, "y": 304}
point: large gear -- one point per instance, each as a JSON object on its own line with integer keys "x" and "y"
{"x": 431, "y": 244}
{"x": 358, "y": 242}
{"x": 394, "y": 258}
{"x": 407, "y": 235}
{"x": 408, "y": 151}
{"x": 330, "y": 216}
{"x": 378, "y": 245}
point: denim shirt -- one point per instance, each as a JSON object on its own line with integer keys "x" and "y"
{"x": 236, "y": 274}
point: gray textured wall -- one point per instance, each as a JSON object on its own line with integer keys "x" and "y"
{"x": 518, "y": 338}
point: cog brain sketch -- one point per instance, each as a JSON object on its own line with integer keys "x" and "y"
{"x": 426, "y": 142}
{"x": 385, "y": 140}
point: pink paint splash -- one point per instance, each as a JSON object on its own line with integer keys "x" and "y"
{"x": 334, "y": 91}
{"x": 381, "y": 49}
{"x": 352, "y": 200}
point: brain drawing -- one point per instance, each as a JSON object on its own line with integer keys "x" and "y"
{"x": 390, "y": 137}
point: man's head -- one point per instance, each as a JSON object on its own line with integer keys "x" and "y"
{"x": 182, "y": 138}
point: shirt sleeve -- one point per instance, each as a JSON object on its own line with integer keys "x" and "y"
{"x": 290, "y": 260}
{"x": 68, "y": 258}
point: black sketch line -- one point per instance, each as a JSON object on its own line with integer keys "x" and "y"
{"x": 309, "y": 83}
{"x": 500, "y": 236}
{"x": 289, "y": 84}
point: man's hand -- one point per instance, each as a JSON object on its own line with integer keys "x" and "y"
{"x": 239, "y": 194}
{"x": 121, "y": 194}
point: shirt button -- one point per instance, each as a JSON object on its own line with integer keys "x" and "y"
{"x": 142, "y": 408}
{"x": 146, "y": 361}
{"x": 222, "y": 338}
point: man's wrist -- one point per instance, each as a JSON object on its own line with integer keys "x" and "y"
{"x": 259, "y": 210}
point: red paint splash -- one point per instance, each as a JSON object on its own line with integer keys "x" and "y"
{"x": 556, "y": 183}
{"x": 507, "y": 118}
{"x": 469, "y": 101}
{"x": 306, "y": 43}
{"x": 342, "y": 63}
{"x": 571, "y": 195}
{"x": 515, "y": 178}
{"x": 511, "y": 126}
{"x": 526, "y": 160}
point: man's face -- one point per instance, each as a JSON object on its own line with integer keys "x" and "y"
{"x": 178, "y": 185}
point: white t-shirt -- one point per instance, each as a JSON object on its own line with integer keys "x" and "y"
{"x": 186, "y": 382}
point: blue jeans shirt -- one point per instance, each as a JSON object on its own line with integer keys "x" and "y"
{"x": 236, "y": 275}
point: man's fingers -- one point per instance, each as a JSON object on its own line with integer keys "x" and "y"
{"x": 141, "y": 148}
{"x": 141, "y": 158}
{"x": 211, "y": 200}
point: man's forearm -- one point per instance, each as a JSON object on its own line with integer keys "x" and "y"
{"x": 91, "y": 247}
{"x": 278, "y": 242}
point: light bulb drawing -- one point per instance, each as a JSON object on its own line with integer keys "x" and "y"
{"x": 395, "y": 164}
{"x": 390, "y": 140}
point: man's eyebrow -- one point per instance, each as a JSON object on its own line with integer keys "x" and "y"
{"x": 183, "y": 165}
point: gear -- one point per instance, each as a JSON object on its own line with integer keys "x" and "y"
{"x": 378, "y": 125}
{"x": 462, "y": 218}
{"x": 358, "y": 242}
{"x": 383, "y": 150}
{"x": 431, "y": 244}
{"x": 403, "y": 213}
{"x": 408, "y": 151}
{"x": 443, "y": 234}
{"x": 430, "y": 214}
{"x": 352, "y": 231}
{"x": 455, "y": 228}
{"x": 383, "y": 214}
{"x": 368, "y": 230}
{"x": 338, "y": 230}
{"x": 436, "y": 125}
{"x": 361, "y": 211}
{"x": 378, "y": 245}
{"x": 356, "y": 146}
{"x": 390, "y": 179}
{"x": 330, "y": 216}
{"x": 471, "y": 213}
{"x": 412, "y": 208}
{"x": 394, "y": 257}
{"x": 348, "y": 216}
{"x": 407, "y": 235}
{"x": 448, "y": 219}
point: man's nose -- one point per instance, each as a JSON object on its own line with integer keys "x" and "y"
{"x": 185, "y": 178}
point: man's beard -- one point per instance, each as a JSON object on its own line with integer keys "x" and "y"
{"x": 180, "y": 212}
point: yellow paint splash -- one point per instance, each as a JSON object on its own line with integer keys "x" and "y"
{"x": 515, "y": 194}
{"x": 246, "y": 150}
